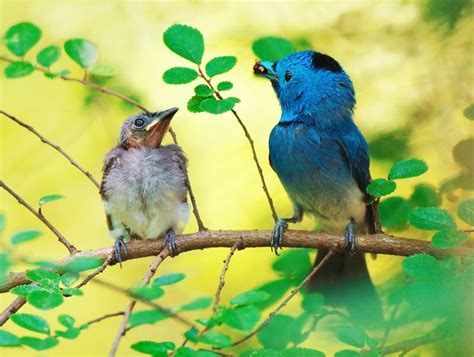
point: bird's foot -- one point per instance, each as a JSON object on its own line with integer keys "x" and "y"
{"x": 277, "y": 235}
{"x": 119, "y": 245}
{"x": 350, "y": 236}
{"x": 170, "y": 242}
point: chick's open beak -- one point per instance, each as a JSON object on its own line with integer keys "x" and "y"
{"x": 265, "y": 69}
{"x": 158, "y": 127}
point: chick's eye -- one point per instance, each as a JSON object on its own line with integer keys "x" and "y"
{"x": 139, "y": 122}
{"x": 288, "y": 75}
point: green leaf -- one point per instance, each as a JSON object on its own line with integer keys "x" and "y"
{"x": 198, "y": 304}
{"x": 352, "y": 335}
{"x": 407, "y": 168}
{"x": 25, "y": 290}
{"x": 294, "y": 263}
{"x": 82, "y": 264}
{"x": 431, "y": 218}
{"x": 81, "y": 51}
{"x": 70, "y": 333}
{"x": 469, "y": 112}
{"x": 169, "y": 279}
{"x": 47, "y": 56}
{"x": 5, "y": 264}
{"x": 45, "y": 300}
{"x": 425, "y": 195}
{"x": 194, "y": 104}
{"x": 465, "y": 211}
{"x": 47, "y": 279}
{"x": 8, "y": 339}
{"x": 216, "y": 339}
{"x": 220, "y": 65}
{"x": 301, "y": 352}
{"x": 394, "y": 212}
{"x": 421, "y": 266}
{"x": 295, "y": 329}
{"x": 61, "y": 73}
{"x": 69, "y": 278}
{"x": 462, "y": 153}
{"x": 381, "y": 187}
{"x": 214, "y": 106}
{"x": 147, "y": 293}
{"x": 223, "y": 86}
{"x": 18, "y": 69}
{"x": 2, "y": 222}
{"x": 233, "y": 99}
{"x": 312, "y": 303}
{"x": 271, "y": 336}
{"x": 102, "y": 70}
{"x": 20, "y": 38}
{"x": 49, "y": 198}
{"x": 24, "y": 236}
{"x": 39, "y": 344}
{"x": 66, "y": 320}
{"x": 449, "y": 238}
{"x": 276, "y": 289}
{"x": 391, "y": 146}
{"x": 347, "y": 353}
{"x": 146, "y": 317}
{"x": 242, "y": 318}
{"x": 72, "y": 292}
{"x": 249, "y": 297}
{"x": 272, "y": 48}
{"x": 203, "y": 90}
{"x": 179, "y": 75}
{"x": 264, "y": 352}
{"x": 31, "y": 322}
{"x": 153, "y": 348}
{"x": 185, "y": 41}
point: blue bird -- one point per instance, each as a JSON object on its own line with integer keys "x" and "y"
{"x": 322, "y": 160}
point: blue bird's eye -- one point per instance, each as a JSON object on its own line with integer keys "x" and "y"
{"x": 288, "y": 75}
{"x": 139, "y": 122}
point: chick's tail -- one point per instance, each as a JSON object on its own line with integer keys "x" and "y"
{"x": 345, "y": 282}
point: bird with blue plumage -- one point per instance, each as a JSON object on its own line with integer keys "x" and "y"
{"x": 322, "y": 160}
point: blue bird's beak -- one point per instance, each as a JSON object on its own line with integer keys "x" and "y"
{"x": 265, "y": 69}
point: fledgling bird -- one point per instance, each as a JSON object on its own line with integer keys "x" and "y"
{"x": 322, "y": 160}
{"x": 144, "y": 184}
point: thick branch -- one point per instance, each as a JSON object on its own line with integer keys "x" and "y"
{"x": 252, "y": 145}
{"x": 376, "y": 243}
{"x": 72, "y": 249}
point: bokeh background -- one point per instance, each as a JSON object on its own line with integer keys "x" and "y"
{"x": 411, "y": 63}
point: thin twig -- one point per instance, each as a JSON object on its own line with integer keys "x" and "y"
{"x": 407, "y": 345}
{"x": 221, "y": 284}
{"x": 53, "y": 145}
{"x": 287, "y": 299}
{"x": 71, "y": 248}
{"x": 251, "y": 142}
{"x": 171, "y": 314}
{"x": 11, "y": 309}
{"x": 119, "y": 313}
{"x": 368, "y": 243}
{"x": 146, "y": 279}
{"x": 98, "y": 271}
{"x": 137, "y": 105}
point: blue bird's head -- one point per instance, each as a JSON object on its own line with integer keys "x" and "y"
{"x": 310, "y": 86}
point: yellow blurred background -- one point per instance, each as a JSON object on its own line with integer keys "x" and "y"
{"x": 406, "y": 71}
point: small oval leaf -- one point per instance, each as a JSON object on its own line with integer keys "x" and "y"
{"x": 179, "y": 75}
{"x": 31, "y": 322}
{"x": 220, "y": 65}
{"x": 185, "y": 41}
{"x": 451, "y": 238}
{"x": 20, "y": 38}
{"x": 49, "y": 198}
{"x": 81, "y": 51}
{"x": 45, "y": 300}
{"x": 47, "y": 56}
{"x": 102, "y": 70}
{"x": 24, "y": 236}
{"x": 18, "y": 69}
{"x": 381, "y": 187}
{"x": 214, "y": 106}
{"x": 407, "y": 168}
{"x": 203, "y": 90}
{"x": 223, "y": 86}
{"x": 431, "y": 218}
{"x": 272, "y": 48}
{"x": 421, "y": 266}
{"x": 250, "y": 297}
{"x": 169, "y": 279}
{"x": 469, "y": 112}
{"x": 8, "y": 339}
{"x": 465, "y": 211}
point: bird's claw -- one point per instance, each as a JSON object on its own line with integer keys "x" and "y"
{"x": 119, "y": 245}
{"x": 350, "y": 237}
{"x": 277, "y": 235}
{"x": 170, "y": 242}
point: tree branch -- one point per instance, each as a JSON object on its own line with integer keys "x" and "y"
{"x": 146, "y": 279}
{"x": 53, "y": 145}
{"x": 221, "y": 284}
{"x": 288, "y": 298}
{"x": 16, "y": 305}
{"x": 126, "y": 99}
{"x": 71, "y": 248}
{"x": 252, "y": 145}
{"x": 372, "y": 243}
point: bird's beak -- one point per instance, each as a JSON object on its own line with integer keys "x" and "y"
{"x": 159, "y": 126}
{"x": 265, "y": 69}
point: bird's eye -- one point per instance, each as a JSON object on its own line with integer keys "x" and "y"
{"x": 139, "y": 122}
{"x": 288, "y": 75}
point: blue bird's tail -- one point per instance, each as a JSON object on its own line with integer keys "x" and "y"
{"x": 345, "y": 282}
